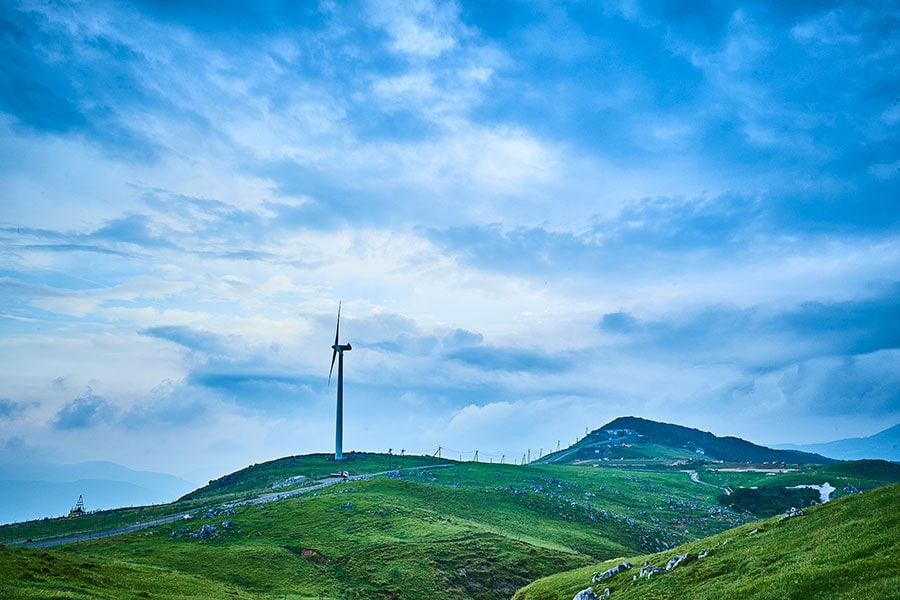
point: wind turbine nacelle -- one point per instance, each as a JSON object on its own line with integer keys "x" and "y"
{"x": 342, "y": 347}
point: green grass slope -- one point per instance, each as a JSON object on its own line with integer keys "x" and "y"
{"x": 434, "y": 529}
{"x": 278, "y": 474}
{"x": 847, "y": 548}
{"x": 27, "y": 574}
{"x": 462, "y": 530}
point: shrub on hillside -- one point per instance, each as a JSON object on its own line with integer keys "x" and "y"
{"x": 768, "y": 501}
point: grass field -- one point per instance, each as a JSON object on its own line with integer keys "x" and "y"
{"x": 848, "y": 548}
{"x": 437, "y": 529}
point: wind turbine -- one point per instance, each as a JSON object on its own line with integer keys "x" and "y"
{"x": 338, "y": 352}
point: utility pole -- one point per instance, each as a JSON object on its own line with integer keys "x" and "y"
{"x": 476, "y": 456}
{"x": 529, "y": 457}
{"x": 390, "y": 451}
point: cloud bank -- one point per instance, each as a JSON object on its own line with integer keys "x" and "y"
{"x": 538, "y": 218}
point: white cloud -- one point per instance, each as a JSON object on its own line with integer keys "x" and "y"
{"x": 419, "y": 28}
{"x": 826, "y": 29}
{"x": 257, "y": 179}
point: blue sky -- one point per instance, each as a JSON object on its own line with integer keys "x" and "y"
{"x": 539, "y": 216}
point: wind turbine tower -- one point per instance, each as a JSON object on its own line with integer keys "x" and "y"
{"x": 338, "y": 352}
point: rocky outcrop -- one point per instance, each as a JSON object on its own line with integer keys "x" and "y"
{"x": 793, "y": 512}
{"x": 205, "y": 532}
{"x": 218, "y": 511}
{"x": 649, "y": 571}
{"x": 590, "y": 594}
{"x": 624, "y": 566}
{"x": 586, "y": 594}
{"x": 677, "y": 561}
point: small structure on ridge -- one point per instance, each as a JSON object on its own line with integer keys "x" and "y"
{"x": 79, "y": 508}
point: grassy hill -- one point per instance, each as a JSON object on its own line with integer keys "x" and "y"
{"x": 432, "y": 529}
{"x": 848, "y": 548}
{"x": 465, "y": 530}
{"x": 643, "y": 440}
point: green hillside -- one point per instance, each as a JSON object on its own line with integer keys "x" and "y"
{"x": 296, "y": 471}
{"x": 848, "y": 548}
{"x": 643, "y": 440}
{"x": 464, "y": 530}
{"x": 429, "y": 529}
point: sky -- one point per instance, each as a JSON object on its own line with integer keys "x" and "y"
{"x": 538, "y": 217}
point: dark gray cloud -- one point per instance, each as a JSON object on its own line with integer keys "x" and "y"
{"x": 131, "y": 229}
{"x": 85, "y": 412}
{"x": 460, "y": 338}
{"x": 172, "y": 405}
{"x": 618, "y": 322}
{"x": 758, "y": 339}
{"x": 847, "y": 328}
{"x": 193, "y": 339}
{"x": 846, "y": 386}
{"x": 820, "y": 359}
{"x": 11, "y": 410}
{"x": 254, "y": 387}
{"x": 646, "y": 235}
{"x": 39, "y": 94}
{"x": 59, "y": 83}
{"x": 255, "y": 379}
{"x": 406, "y": 344}
{"x": 513, "y": 360}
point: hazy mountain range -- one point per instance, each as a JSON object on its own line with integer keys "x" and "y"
{"x": 884, "y": 445}
{"x": 35, "y": 491}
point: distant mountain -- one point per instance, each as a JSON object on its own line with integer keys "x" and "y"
{"x": 633, "y": 438}
{"x": 884, "y": 446}
{"x": 50, "y": 490}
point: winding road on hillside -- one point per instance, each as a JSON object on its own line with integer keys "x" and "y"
{"x": 182, "y": 516}
{"x": 695, "y": 477}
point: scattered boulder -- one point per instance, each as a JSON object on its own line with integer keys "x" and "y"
{"x": 793, "y": 512}
{"x": 227, "y": 523}
{"x": 679, "y": 560}
{"x": 703, "y": 554}
{"x": 649, "y": 571}
{"x": 610, "y": 572}
{"x": 585, "y": 594}
{"x": 206, "y": 532}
